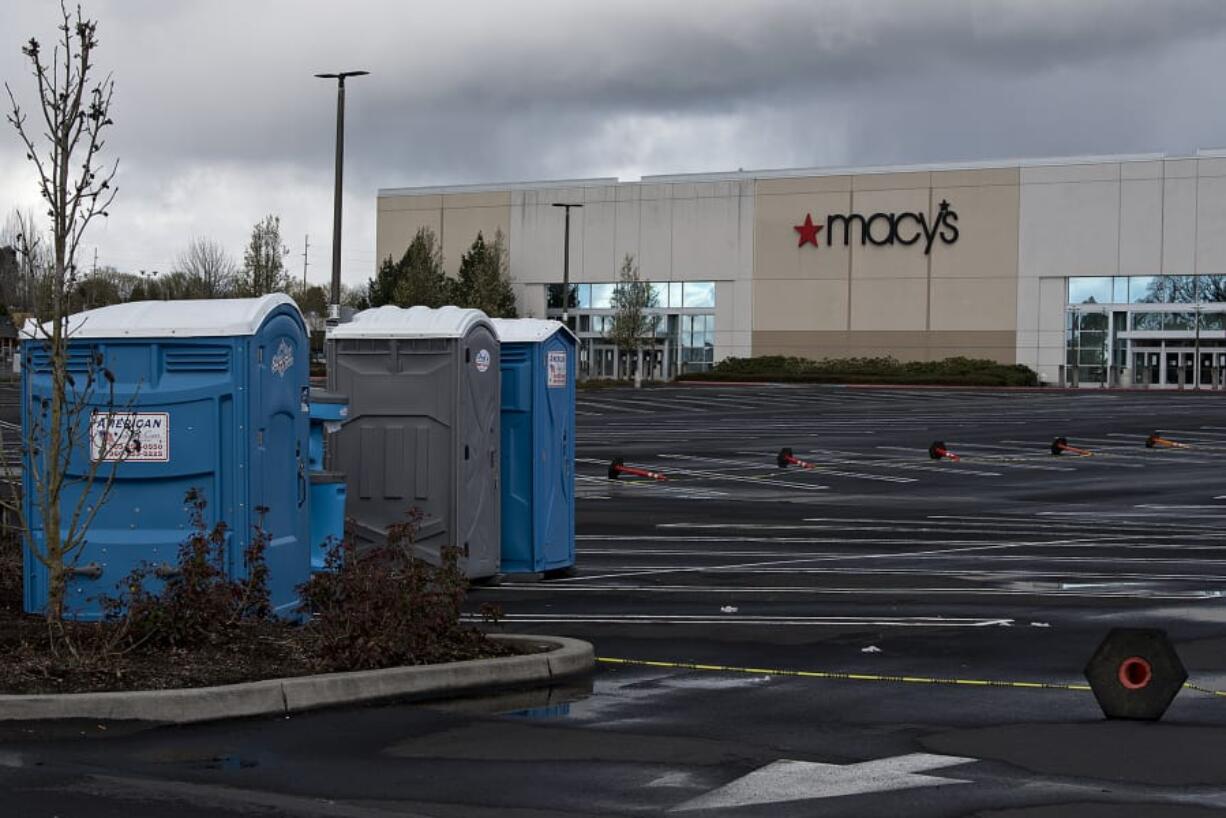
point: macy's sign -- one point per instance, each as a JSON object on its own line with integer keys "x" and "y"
{"x": 882, "y": 229}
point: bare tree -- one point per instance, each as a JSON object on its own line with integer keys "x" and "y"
{"x": 64, "y": 144}
{"x": 210, "y": 268}
{"x": 264, "y": 259}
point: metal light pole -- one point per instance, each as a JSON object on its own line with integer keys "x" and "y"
{"x": 334, "y": 308}
{"x": 566, "y": 264}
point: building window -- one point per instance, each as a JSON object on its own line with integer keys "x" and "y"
{"x": 1163, "y": 289}
{"x": 698, "y": 295}
{"x": 1087, "y": 290}
{"x": 684, "y": 337}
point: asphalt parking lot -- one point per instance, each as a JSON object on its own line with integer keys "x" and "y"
{"x": 1009, "y": 564}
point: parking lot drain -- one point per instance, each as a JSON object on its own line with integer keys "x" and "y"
{"x": 618, "y": 467}
{"x": 786, "y": 458}
{"x": 937, "y": 451}
{"x": 1156, "y": 440}
{"x": 1060, "y": 445}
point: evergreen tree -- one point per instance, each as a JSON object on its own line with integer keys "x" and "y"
{"x": 484, "y": 281}
{"x": 416, "y": 279}
{"x": 381, "y": 289}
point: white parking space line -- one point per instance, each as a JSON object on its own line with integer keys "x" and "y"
{"x": 616, "y": 407}
{"x": 735, "y": 619}
{"x": 1159, "y": 529}
{"x": 764, "y": 480}
{"x": 985, "y": 560}
{"x": 1082, "y": 590}
{"x": 978, "y": 573}
{"x": 687, "y": 492}
{"x": 823, "y": 558}
{"x": 868, "y": 461}
{"x": 770, "y": 466}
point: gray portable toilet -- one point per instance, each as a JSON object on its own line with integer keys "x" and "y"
{"x": 423, "y": 428}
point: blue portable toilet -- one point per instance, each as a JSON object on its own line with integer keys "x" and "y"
{"x": 538, "y": 445}
{"x": 328, "y": 488}
{"x": 207, "y": 395}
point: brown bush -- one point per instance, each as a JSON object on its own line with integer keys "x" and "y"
{"x": 199, "y": 604}
{"x": 382, "y": 606}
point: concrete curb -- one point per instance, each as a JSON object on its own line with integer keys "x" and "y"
{"x": 562, "y": 657}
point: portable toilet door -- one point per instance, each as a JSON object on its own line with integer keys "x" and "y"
{"x": 279, "y": 486}
{"x": 206, "y": 398}
{"x": 423, "y": 428}
{"x": 538, "y": 445}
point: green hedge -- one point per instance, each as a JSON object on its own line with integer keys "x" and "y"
{"x": 948, "y": 372}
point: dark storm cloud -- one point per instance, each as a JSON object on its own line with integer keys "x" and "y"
{"x": 219, "y": 118}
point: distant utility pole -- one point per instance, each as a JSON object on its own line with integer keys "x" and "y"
{"x": 334, "y": 310}
{"x": 94, "y": 270}
{"x": 306, "y": 249}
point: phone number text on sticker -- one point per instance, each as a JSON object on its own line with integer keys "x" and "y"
{"x": 140, "y": 437}
{"x": 557, "y": 369}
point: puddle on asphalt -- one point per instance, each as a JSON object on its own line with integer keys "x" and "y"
{"x": 230, "y": 763}
{"x": 588, "y": 699}
{"x": 553, "y": 711}
{"x": 557, "y": 702}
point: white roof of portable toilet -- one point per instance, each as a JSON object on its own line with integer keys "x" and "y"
{"x": 203, "y": 318}
{"x": 413, "y": 322}
{"x": 527, "y": 330}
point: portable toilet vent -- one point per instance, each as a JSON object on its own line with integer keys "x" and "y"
{"x": 208, "y": 396}
{"x": 538, "y": 445}
{"x": 423, "y": 428}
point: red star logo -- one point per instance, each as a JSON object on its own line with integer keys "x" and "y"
{"x": 808, "y": 231}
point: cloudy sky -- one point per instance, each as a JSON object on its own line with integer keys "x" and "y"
{"x": 218, "y": 120}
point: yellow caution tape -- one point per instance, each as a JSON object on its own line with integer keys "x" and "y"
{"x": 870, "y": 677}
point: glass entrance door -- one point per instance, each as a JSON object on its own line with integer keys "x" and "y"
{"x": 604, "y": 361}
{"x": 1146, "y": 366}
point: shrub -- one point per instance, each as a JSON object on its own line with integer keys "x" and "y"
{"x": 957, "y": 371}
{"x": 198, "y": 603}
{"x": 382, "y": 606}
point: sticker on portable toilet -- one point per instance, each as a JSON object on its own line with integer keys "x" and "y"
{"x": 130, "y": 437}
{"x": 284, "y": 359}
{"x": 483, "y": 360}
{"x": 557, "y": 369}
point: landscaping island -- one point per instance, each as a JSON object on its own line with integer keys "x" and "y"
{"x": 383, "y": 625}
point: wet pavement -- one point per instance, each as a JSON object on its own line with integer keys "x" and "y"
{"x": 1008, "y": 565}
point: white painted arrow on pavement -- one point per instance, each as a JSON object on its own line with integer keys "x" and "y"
{"x": 786, "y": 780}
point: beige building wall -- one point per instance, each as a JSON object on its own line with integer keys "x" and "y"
{"x": 867, "y": 300}
{"x": 455, "y": 218}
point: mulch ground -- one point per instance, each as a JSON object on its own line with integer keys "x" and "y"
{"x": 249, "y": 652}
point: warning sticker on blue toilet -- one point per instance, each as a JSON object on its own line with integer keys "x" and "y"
{"x": 130, "y": 437}
{"x": 557, "y": 369}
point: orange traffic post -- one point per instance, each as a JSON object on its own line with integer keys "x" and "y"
{"x": 937, "y": 451}
{"x": 786, "y": 458}
{"x": 1156, "y": 440}
{"x": 618, "y": 467}
{"x": 1060, "y": 445}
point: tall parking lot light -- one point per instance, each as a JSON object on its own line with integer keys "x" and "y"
{"x": 334, "y": 310}
{"x": 566, "y": 263}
